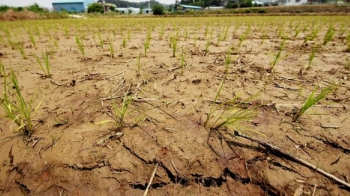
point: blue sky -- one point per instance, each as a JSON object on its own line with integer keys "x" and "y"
{"x": 48, "y": 3}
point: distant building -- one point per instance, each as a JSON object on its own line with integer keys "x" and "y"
{"x": 182, "y": 7}
{"x": 129, "y": 10}
{"x": 71, "y": 5}
{"x": 293, "y": 2}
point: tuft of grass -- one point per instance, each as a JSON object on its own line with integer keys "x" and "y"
{"x": 18, "y": 110}
{"x": 312, "y": 100}
{"x": 47, "y": 68}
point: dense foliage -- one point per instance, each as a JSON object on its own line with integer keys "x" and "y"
{"x": 158, "y": 10}
{"x": 95, "y": 8}
{"x": 33, "y": 8}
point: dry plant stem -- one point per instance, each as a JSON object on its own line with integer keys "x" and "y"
{"x": 150, "y": 180}
{"x": 296, "y": 159}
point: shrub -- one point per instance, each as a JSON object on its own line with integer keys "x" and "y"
{"x": 158, "y": 10}
{"x": 95, "y": 7}
{"x": 35, "y": 8}
{"x": 4, "y": 8}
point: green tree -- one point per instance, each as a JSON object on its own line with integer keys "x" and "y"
{"x": 158, "y": 10}
{"x": 95, "y": 7}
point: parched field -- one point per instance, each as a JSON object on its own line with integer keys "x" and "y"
{"x": 161, "y": 105}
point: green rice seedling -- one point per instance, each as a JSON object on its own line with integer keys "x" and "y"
{"x": 329, "y": 35}
{"x": 312, "y": 100}
{"x": 121, "y": 31}
{"x": 186, "y": 34}
{"x": 213, "y": 108}
{"x": 22, "y": 51}
{"x": 230, "y": 114}
{"x": 342, "y": 29}
{"x": 66, "y": 32}
{"x": 32, "y": 39}
{"x": 224, "y": 37}
{"x": 48, "y": 33}
{"x": 206, "y": 31}
{"x": 278, "y": 56}
{"x": 149, "y": 36}
{"x": 348, "y": 43}
{"x": 228, "y": 61}
{"x": 264, "y": 36}
{"x": 124, "y": 42}
{"x": 174, "y": 45}
{"x": 114, "y": 33}
{"x": 211, "y": 33}
{"x": 2, "y": 69}
{"x": 129, "y": 36}
{"x": 17, "y": 110}
{"x": 80, "y": 46}
{"x": 235, "y": 29}
{"x": 146, "y": 46}
{"x": 244, "y": 35}
{"x": 195, "y": 40}
{"x": 183, "y": 61}
{"x": 138, "y": 65}
{"x": 161, "y": 33}
{"x": 280, "y": 32}
{"x": 177, "y": 33}
{"x": 111, "y": 48}
{"x": 311, "y": 58}
{"x": 119, "y": 113}
{"x": 44, "y": 68}
{"x": 218, "y": 39}
{"x": 206, "y": 51}
{"x": 10, "y": 42}
{"x": 55, "y": 43}
{"x": 296, "y": 32}
{"x": 347, "y": 64}
{"x": 312, "y": 36}
{"x": 100, "y": 39}
{"x": 37, "y": 32}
